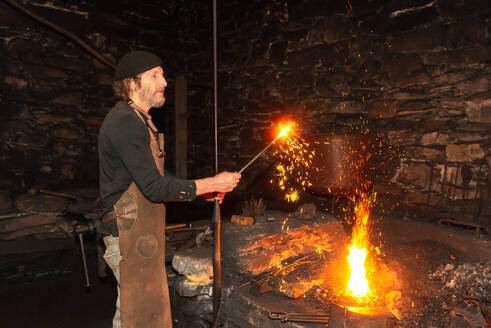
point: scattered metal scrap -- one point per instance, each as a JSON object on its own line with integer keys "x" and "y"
{"x": 287, "y": 266}
{"x": 338, "y": 316}
{"x": 299, "y": 317}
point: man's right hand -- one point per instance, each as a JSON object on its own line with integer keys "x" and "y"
{"x": 226, "y": 181}
{"x": 222, "y": 182}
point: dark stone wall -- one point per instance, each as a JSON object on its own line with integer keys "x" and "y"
{"x": 415, "y": 72}
{"x": 55, "y": 94}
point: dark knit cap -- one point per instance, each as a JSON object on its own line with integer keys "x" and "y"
{"x": 136, "y": 62}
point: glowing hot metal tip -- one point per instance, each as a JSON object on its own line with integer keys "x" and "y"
{"x": 283, "y": 132}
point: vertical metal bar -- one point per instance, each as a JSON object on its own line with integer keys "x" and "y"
{"x": 215, "y": 81}
{"x": 478, "y": 208}
{"x": 429, "y": 186}
{"x": 217, "y": 266}
{"x": 443, "y": 184}
{"x": 449, "y": 187}
{"x": 464, "y": 184}
{"x": 479, "y": 199}
{"x": 456, "y": 179}
{"x": 451, "y": 191}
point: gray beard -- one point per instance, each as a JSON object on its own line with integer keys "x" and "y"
{"x": 156, "y": 102}
{"x": 152, "y": 99}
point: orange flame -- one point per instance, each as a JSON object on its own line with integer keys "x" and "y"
{"x": 358, "y": 283}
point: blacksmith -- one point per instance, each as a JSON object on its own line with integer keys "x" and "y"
{"x": 134, "y": 190}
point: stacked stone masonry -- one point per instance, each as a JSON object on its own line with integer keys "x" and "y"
{"x": 417, "y": 72}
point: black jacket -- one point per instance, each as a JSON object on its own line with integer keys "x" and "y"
{"x": 125, "y": 156}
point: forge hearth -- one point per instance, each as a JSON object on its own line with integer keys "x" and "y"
{"x": 423, "y": 259}
{"x": 434, "y": 276}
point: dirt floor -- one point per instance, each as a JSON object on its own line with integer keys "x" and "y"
{"x": 48, "y": 290}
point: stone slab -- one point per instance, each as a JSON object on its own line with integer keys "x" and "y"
{"x": 195, "y": 263}
{"x": 465, "y": 241}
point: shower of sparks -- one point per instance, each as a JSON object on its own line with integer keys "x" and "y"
{"x": 294, "y": 171}
{"x": 292, "y": 196}
{"x": 282, "y": 177}
{"x": 299, "y": 166}
{"x": 285, "y": 221}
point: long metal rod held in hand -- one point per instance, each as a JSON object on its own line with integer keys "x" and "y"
{"x": 257, "y": 156}
{"x": 217, "y": 266}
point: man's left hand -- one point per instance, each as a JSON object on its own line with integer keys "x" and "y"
{"x": 212, "y": 196}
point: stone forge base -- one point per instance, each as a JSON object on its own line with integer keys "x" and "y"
{"x": 416, "y": 250}
{"x": 244, "y": 310}
{"x": 243, "y": 257}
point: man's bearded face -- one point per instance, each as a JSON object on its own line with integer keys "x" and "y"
{"x": 152, "y": 87}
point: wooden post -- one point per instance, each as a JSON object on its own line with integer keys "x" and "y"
{"x": 181, "y": 125}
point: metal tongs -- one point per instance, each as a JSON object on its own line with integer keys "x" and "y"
{"x": 299, "y": 317}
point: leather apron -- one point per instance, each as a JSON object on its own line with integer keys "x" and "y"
{"x": 144, "y": 293}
